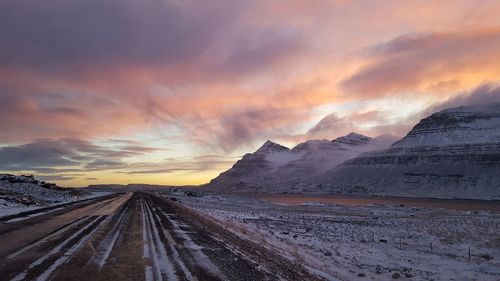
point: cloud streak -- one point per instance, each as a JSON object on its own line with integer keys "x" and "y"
{"x": 195, "y": 164}
{"x": 483, "y": 94}
{"x": 64, "y": 155}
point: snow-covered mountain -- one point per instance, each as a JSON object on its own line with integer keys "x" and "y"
{"x": 452, "y": 153}
{"x": 275, "y": 168}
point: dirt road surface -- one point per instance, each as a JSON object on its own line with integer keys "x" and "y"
{"x": 134, "y": 236}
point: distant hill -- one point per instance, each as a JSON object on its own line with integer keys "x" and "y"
{"x": 131, "y": 187}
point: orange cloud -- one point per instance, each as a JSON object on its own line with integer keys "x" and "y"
{"x": 420, "y": 62}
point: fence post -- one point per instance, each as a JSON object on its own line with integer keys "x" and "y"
{"x": 469, "y": 252}
{"x": 431, "y": 247}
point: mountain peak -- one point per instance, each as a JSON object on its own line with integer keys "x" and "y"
{"x": 353, "y": 139}
{"x": 356, "y": 135}
{"x": 269, "y": 143}
{"x": 270, "y": 146}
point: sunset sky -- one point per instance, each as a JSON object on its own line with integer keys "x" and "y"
{"x": 173, "y": 92}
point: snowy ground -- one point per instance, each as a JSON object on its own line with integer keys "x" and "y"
{"x": 21, "y": 193}
{"x": 365, "y": 243}
{"x": 14, "y": 203}
{"x": 9, "y": 208}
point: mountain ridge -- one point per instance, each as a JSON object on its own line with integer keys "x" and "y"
{"x": 273, "y": 163}
{"x": 453, "y": 153}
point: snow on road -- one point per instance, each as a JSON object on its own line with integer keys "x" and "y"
{"x": 91, "y": 222}
{"x": 107, "y": 244}
{"x": 65, "y": 241}
{"x": 47, "y": 273}
{"x": 162, "y": 264}
{"x": 127, "y": 237}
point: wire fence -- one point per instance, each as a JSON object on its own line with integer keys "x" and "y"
{"x": 432, "y": 248}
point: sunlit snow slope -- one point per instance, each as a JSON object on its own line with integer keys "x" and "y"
{"x": 453, "y": 153}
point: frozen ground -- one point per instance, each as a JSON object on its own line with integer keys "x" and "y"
{"x": 9, "y": 208}
{"x": 20, "y": 193}
{"x": 14, "y": 203}
{"x": 365, "y": 243}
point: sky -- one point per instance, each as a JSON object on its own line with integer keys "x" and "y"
{"x": 175, "y": 91}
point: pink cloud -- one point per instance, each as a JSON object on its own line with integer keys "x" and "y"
{"x": 417, "y": 62}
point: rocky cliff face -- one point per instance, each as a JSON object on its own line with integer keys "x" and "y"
{"x": 452, "y": 153}
{"x": 275, "y": 168}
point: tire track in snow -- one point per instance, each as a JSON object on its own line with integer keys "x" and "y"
{"x": 164, "y": 268}
{"x": 93, "y": 222}
{"x": 56, "y": 232}
{"x": 68, "y": 254}
{"x": 175, "y": 254}
{"x": 42, "y": 240}
{"x": 109, "y": 241}
{"x": 192, "y": 251}
{"x": 150, "y": 249}
{"x": 148, "y": 270}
